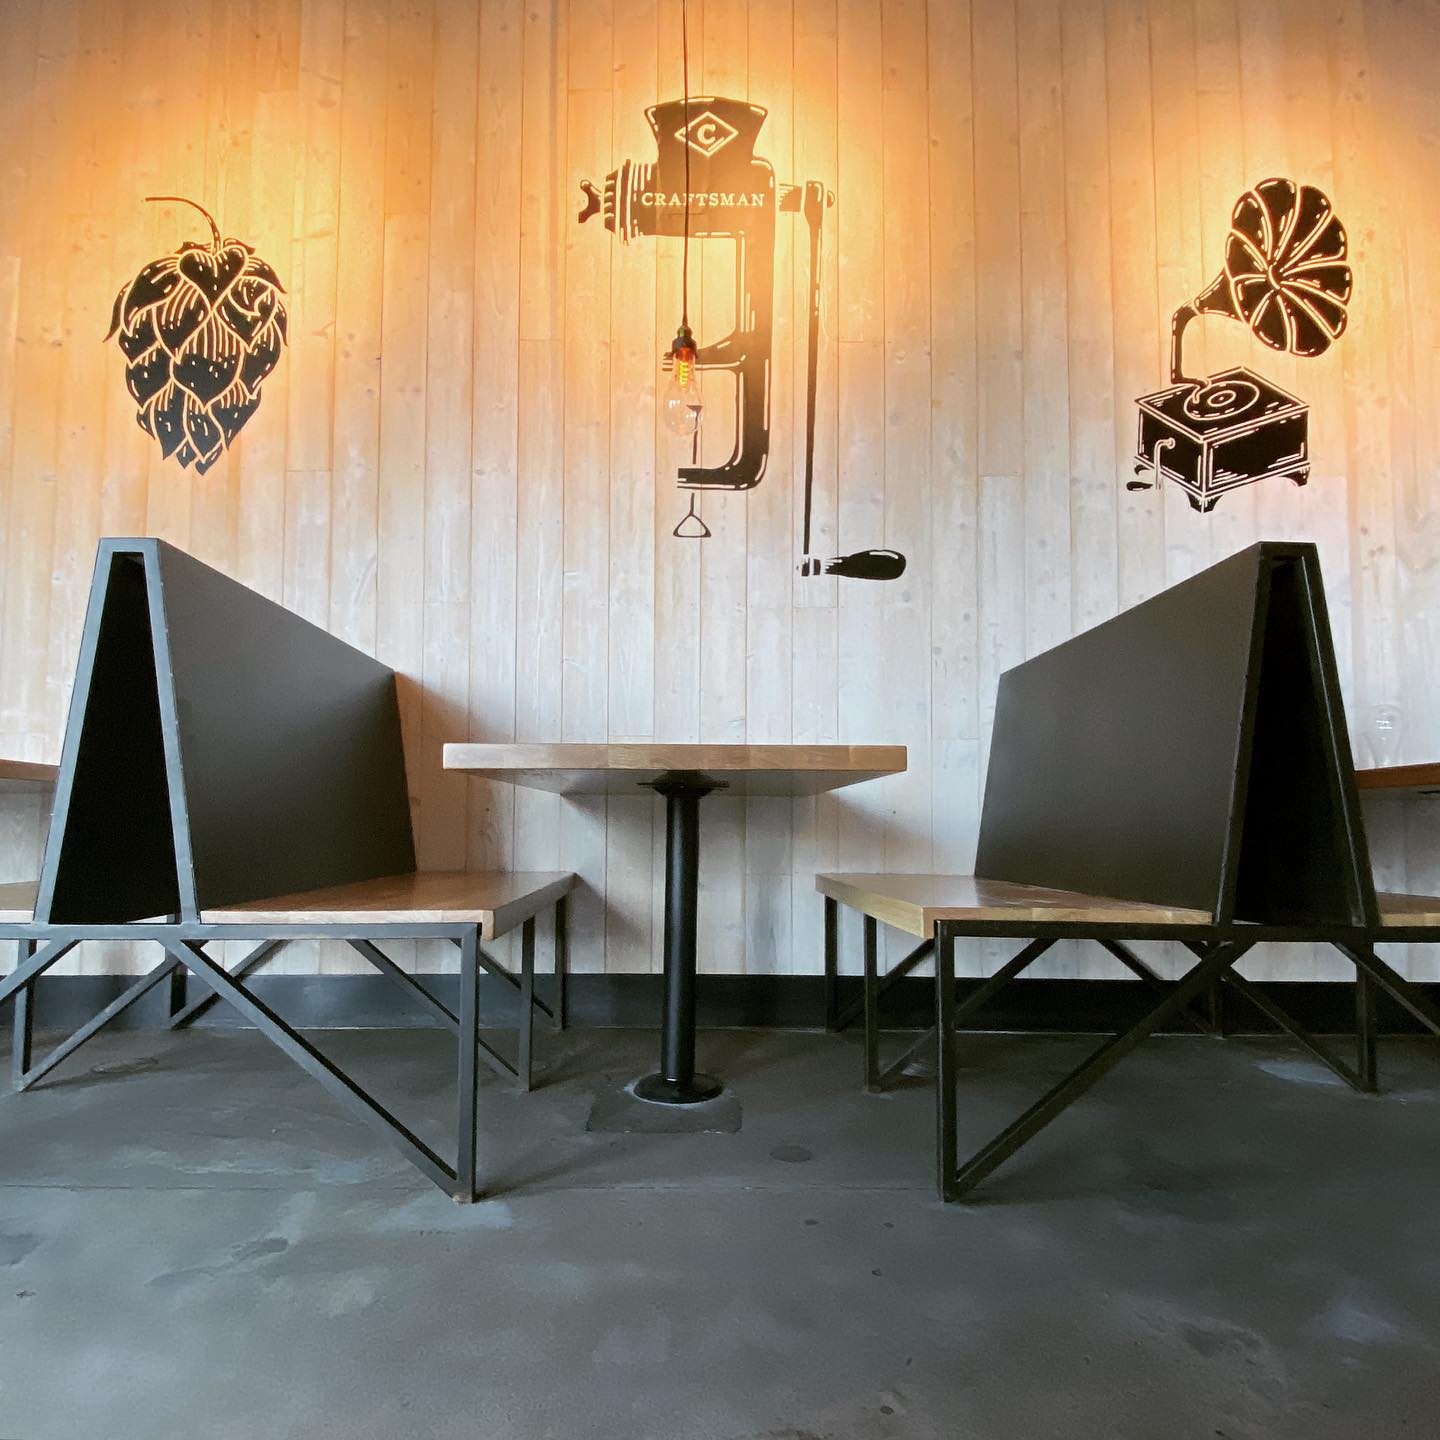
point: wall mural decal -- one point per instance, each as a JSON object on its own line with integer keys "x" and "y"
{"x": 707, "y": 181}
{"x": 200, "y": 330}
{"x": 1287, "y": 277}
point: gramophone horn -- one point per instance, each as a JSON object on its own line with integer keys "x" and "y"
{"x": 1286, "y": 273}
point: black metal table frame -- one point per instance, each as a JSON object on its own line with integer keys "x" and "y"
{"x": 43, "y": 945}
{"x": 677, "y": 1082}
{"x": 1217, "y": 949}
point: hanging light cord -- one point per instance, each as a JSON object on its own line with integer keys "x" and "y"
{"x": 685, "y": 243}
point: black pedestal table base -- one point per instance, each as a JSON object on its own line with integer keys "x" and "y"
{"x": 659, "y": 1090}
{"x": 676, "y": 1082}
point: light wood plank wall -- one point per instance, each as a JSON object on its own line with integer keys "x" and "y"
{"x": 457, "y": 464}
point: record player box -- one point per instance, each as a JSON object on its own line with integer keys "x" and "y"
{"x": 1210, "y": 437}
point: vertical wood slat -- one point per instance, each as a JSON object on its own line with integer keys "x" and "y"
{"x": 447, "y": 496}
{"x": 585, "y": 617}
{"x": 540, "y": 525}
{"x": 999, "y": 361}
{"x": 956, "y": 776}
{"x": 904, "y": 673}
{"x": 457, "y": 463}
{"x": 495, "y": 419}
{"x": 861, "y": 432}
{"x": 635, "y": 339}
{"x": 723, "y": 611}
{"x": 814, "y": 649}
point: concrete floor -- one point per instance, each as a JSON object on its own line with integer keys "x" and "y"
{"x": 1220, "y": 1241}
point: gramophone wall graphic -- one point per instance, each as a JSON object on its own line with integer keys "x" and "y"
{"x": 707, "y": 182}
{"x": 200, "y": 330}
{"x": 1287, "y": 277}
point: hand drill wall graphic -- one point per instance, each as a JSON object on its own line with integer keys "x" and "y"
{"x": 733, "y": 195}
{"x": 1286, "y": 276}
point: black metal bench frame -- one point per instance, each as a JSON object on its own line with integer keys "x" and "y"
{"x": 188, "y": 687}
{"x": 183, "y": 944}
{"x": 1214, "y": 972}
{"x": 1320, "y": 892}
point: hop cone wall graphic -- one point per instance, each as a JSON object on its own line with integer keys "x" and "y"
{"x": 200, "y": 330}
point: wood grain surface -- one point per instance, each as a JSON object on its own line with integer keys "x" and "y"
{"x": 913, "y": 903}
{"x": 497, "y": 901}
{"x": 1401, "y": 779}
{"x": 31, "y": 772}
{"x": 751, "y": 770}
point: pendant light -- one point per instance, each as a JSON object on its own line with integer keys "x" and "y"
{"x": 681, "y": 404}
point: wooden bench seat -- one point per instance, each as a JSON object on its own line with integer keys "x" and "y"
{"x": 28, "y": 772}
{"x": 17, "y": 902}
{"x": 1398, "y": 910}
{"x": 913, "y": 903}
{"x": 497, "y": 901}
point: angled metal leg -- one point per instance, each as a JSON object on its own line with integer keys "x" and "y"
{"x": 201, "y": 1003}
{"x": 467, "y": 1096}
{"x": 872, "y": 1015}
{"x": 560, "y": 1016}
{"x": 522, "y": 984}
{"x": 408, "y": 983}
{"x": 93, "y": 1026}
{"x": 1219, "y": 1021}
{"x": 884, "y": 983}
{"x": 493, "y": 967}
{"x": 983, "y": 994}
{"x": 1257, "y": 996}
{"x": 977, "y": 999}
{"x": 339, "y": 1085}
{"x": 1395, "y": 985}
{"x": 176, "y": 996}
{"x": 1262, "y": 1002}
{"x": 832, "y": 964}
{"x": 892, "y": 1072}
{"x": 945, "y": 1140}
{"x": 1365, "y": 1062}
{"x": 1137, "y": 967}
{"x": 1079, "y": 1080}
{"x": 24, "y": 1022}
{"x": 527, "y": 1004}
{"x": 41, "y": 958}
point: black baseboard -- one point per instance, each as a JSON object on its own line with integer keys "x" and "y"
{"x": 778, "y": 1001}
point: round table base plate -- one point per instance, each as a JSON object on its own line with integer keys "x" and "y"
{"x": 660, "y": 1091}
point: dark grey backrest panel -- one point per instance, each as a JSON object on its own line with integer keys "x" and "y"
{"x": 1190, "y": 752}
{"x": 1303, "y": 851}
{"x": 110, "y": 855}
{"x": 289, "y": 741}
{"x": 219, "y": 749}
{"x": 1114, "y": 756}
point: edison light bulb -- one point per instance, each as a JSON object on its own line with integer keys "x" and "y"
{"x": 1386, "y": 722}
{"x": 681, "y": 405}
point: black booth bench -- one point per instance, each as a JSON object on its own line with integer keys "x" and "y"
{"x": 232, "y": 772}
{"x": 1183, "y": 773}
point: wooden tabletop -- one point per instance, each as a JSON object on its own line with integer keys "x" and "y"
{"x": 1401, "y": 779}
{"x": 623, "y": 769}
{"x": 914, "y": 903}
{"x": 33, "y": 771}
